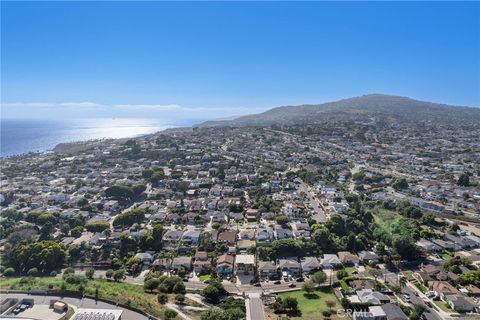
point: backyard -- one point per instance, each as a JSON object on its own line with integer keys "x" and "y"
{"x": 311, "y": 305}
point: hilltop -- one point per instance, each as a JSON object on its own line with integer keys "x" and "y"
{"x": 369, "y": 108}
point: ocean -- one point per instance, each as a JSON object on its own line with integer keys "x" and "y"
{"x": 18, "y": 136}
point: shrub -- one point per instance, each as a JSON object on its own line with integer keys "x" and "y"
{"x": 53, "y": 274}
{"x": 162, "y": 298}
{"x": 109, "y": 273}
{"x": 170, "y": 314}
{"x": 342, "y": 273}
{"x": 9, "y": 272}
{"x": 32, "y": 272}
{"x": 180, "y": 298}
{"x": 68, "y": 271}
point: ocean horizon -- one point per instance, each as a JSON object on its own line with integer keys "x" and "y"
{"x": 20, "y": 136}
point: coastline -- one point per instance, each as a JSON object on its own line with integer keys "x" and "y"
{"x": 21, "y": 138}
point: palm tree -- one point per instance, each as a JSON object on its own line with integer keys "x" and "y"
{"x": 402, "y": 282}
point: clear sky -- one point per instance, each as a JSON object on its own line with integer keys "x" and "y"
{"x": 214, "y": 59}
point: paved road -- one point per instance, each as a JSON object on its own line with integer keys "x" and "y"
{"x": 254, "y": 306}
{"x": 80, "y": 303}
{"x": 392, "y": 278}
{"x": 319, "y": 216}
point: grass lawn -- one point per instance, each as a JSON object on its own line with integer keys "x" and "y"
{"x": 344, "y": 285}
{"x": 385, "y": 217}
{"x": 312, "y": 305}
{"x": 350, "y": 270}
{"x": 421, "y": 287}
{"x": 408, "y": 275}
{"x": 442, "y": 305}
{"x": 447, "y": 255}
{"x": 123, "y": 293}
{"x": 204, "y": 277}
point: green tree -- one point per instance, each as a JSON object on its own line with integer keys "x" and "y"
{"x": 400, "y": 184}
{"x": 463, "y": 180}
{"x": 319, "y": 277}
{"x": 32, "y": 272}
{"x": 109, "y": 273}
{"x": 134, "y": 263}
{"x": 180, "y": 298}
{"x": 170, "y": 314}
{"x": 290, "y": 303}
{"x": 151, "y": 284}
{"x": 179, "y": 287}
{"x": 214, "y": 291}
{"x": 342, "y": 273}
{"x": 214, "y": 313}
{"x": 130, "y": 217}
{"x": 76, "y": 232}
{"x": 118, "y": 275}
{"x": 45, "y": 255}
{"x": 82, "y": 202}
{"x": 97, "y": 226}
{"x": 89, "y": 273}
{"x": 120, "y": 192}
{"x": 282, "y": 219}
{"x": 162, "y": 298}
{"x": 308, "y": 286}
{"x": 375, "y": 273}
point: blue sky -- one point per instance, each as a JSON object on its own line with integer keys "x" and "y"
{"x": 215, "y": 59}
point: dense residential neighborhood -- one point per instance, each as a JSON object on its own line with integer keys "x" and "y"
{"x": 367, "y": 221}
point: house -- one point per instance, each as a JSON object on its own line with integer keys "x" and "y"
{"x": 162, "y": 264}
{"x": 282, "y": 233}
{"x": 368, "y": 256}
{"x": 245, "y": 264}
{"x": 310, "y": 264}
{"x": 145, "y": 257}
{"x": 443, "y": 288}
{"x": 201, "y": 263}
{"x": 246, "y": 234}
{"x": 227, "y": 236}
{"x": 422, "y": 277}
{"x": 362, "y": 284}
{"x": 191, "y": 236}
{"x": 267, "y": 269}
{"x": 373, "y": 313}
{"x": 110, "y": 205}
{"x": 348, "y": 258}
{"x": 473, "y": 290}
{"x": 433, "y": 272}
{"x": 225, "y": 265}
{"x": 301, "y": 230}
{"x": 264, "y": 236}
{"x": 251, "y": 214}
{"x": 289, "y": 266}
{"x": 460, "y": 303}
{"x": 393, "y": 312}
{"x": 448, "y": 245}
{"x": 244, "y": 245}
{"x": 171, "y": 237}
{"x": 330, "y": 261}
{"x": 182, "y": 261}
{"x": 428, "y": 246}
{"x": 369, "y": 296}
